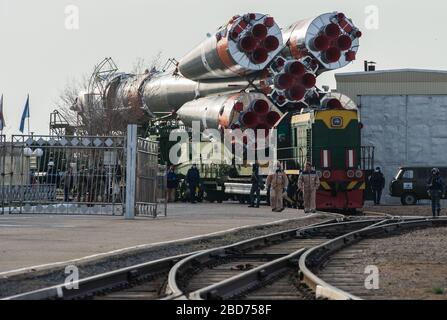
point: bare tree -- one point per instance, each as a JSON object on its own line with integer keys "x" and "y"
{"x": 96, "y": 119}
{"x": 141, "y": 65}
{"x": 66, "y": 102}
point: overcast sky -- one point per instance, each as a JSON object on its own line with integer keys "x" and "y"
{"x": 38, "y": 55}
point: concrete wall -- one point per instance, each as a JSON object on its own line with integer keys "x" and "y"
{"x": 406, "y": 130}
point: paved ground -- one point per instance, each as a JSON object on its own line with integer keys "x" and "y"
{"x": 34, "y": 240}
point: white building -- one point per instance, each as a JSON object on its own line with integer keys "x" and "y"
{"x": 404, "y": 113}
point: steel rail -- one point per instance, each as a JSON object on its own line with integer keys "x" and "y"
{"x": 314, "y": 257}
{"x": 97, "y": 284}
{"x": 206, "y": 257}
{"x": 256, "y": 277}
{"x": 90, "y": 286}
{"x": 248, "y": 280}
{"x": 173, "y": 266}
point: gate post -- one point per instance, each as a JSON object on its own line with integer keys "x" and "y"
{"x": 131, "y": 171}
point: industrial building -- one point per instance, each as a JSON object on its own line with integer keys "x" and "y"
{"x": 404, "y": 113}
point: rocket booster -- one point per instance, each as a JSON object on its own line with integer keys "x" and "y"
{"x": 231, "y": 111}
{"x": 331, "y": 38}
{"x": 245, "y": 45}
{"x": 245, "y": 75}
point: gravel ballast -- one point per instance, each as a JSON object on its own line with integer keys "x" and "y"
{"x": 411, "y": 265}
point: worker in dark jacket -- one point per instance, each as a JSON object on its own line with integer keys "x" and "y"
{"x": 67, "y": 182}
{"x": 193, "y": 180}
{"x": 377, "y": 182}
{"x": 171, "y": 184}
{"x": 436, "y": 190}
{"x": 256, "y": 182}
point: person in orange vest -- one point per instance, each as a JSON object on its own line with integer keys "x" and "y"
{"x": 277, "y": 182}
{"x": 308, "y": 183}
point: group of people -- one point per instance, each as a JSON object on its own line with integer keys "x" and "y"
{"x": 90, "y": 185}
{"x": 192, "y": 180}
{"x": 278, "y": 186}
{"x": 436, "y": 188}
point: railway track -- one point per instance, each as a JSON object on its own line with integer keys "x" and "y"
{"x": 324, "y": 268}
{"x": 261, "y": 268}
{"x": 196, "y": 276}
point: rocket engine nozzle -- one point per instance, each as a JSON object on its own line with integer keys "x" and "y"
{"x": 271, "y": 119}
{"x": 295, "y": 68}
{"x": 291, "y": 80}
{"x": 331, "y": 38}
{"x": 321, "y": 43}
{"x": 295, "y": 93}
{"x": 259, "y": 31}
{"x": 344, "y": 42}
{"x": 335, "y": 100}
{"x": 232, "y": 111}
{"x": 249, "y": 119}
{"x": 332, "y": 31}
{"x": 245, "y": 45}
{"x": 309, "y": 80}
{"x": 271, "y": 43}
{"x": 248, "y": 44}
{"x": 261, "y": 106}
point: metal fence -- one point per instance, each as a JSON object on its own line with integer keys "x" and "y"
{"x": 63, "y": 175}
{"x": 150, "y": 196}
{"x": 81, "y": 175}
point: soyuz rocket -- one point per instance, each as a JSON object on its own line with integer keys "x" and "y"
{"x": 245, "y": 75}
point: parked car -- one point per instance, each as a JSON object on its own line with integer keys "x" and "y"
{"x": 410, "y": 183}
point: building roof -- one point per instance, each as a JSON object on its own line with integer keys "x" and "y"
{"x": 397, "y": 75}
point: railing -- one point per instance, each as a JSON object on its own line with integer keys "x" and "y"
{"x": 367, "y": 158}
{"x": 63, "y": 174}
{"x": 294, "y": 158}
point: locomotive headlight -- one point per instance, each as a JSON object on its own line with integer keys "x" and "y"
{"x": 326, "y": 174}
{"x": 350, "y": 174}
{"x": 359, "y": 174}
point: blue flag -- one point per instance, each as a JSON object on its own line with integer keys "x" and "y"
{"x": 25, "y": 115}
{"x": 2, "y": 118}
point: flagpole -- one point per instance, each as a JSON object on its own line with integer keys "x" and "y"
{"x": 29, "y": 132}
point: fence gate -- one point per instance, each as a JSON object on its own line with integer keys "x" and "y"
{"x": 150, "y": 187}
{"x": 63, "y": 175}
